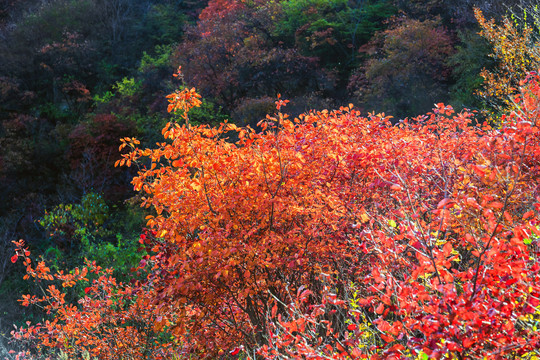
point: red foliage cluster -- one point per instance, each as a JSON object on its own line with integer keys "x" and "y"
{"x": 220, "y": 8}
{"x": 338, "y": 236}
{"x": 109, "y": 322}
{"x": 230, "y": 54}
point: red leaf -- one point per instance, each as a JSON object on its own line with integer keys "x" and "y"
{"x": 235, "y": 351}
{"x": 478, "y": 170}
{"x": 443, "y": 203}
{"x": 274, "y": 311}
{"x": 351, "y": 327}
{"x": 87, "y": 290}
{"x": 467, "y": 343}
{"x": 14, "y": 258}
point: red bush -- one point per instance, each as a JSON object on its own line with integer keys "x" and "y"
{"x": 341, "y": 236}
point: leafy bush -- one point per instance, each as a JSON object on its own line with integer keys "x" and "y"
{"x": 121, "y": 256}
{"x": 68, "y": 224}
{"x": 515, "y": 50}
{"x": 332, "y": 235}
{"x": 128, "y": 87}
{"x": 161, "y": 59}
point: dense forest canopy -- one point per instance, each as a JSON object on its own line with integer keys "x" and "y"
{"x": 183, "y": 188}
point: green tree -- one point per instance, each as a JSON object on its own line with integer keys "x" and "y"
{"x": 470, "y": 58}
{"x": 331, "y": 30}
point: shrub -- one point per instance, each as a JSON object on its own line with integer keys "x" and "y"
{"x": 332, "y": 235}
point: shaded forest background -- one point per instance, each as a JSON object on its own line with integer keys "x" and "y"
{"x": 78, "y": 75}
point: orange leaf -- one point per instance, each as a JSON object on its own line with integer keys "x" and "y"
{"x": 528, "y": 215}
{"x": 447, "y": 249}
{"x": 496, "y": 205}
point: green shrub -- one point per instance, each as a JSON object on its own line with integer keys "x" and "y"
{"x": 161, "y": 59}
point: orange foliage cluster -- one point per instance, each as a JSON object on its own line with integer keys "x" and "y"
{"x": 183, "y": 100}
{"x": 328, "y": 236}
{"x": 516, "y": 53}
{"x": 109, "y": 322}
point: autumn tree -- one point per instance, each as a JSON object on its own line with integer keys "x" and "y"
{"x": 408, "y": 72}
{"x": 233, "y": 53}
{"x": 515, "y": 50}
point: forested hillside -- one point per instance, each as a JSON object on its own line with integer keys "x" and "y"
{"x": 285, "y": 179}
